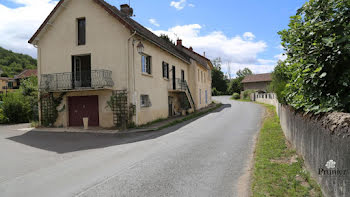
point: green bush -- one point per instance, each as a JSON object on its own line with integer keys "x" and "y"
{"x": 318, "y": 57}
{"x": 246, "y": 94}
{"x": 236, "y": 96}
{"x": 215, "y": 92}
{"x": 16, "y": 108}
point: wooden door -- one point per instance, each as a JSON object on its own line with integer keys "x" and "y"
{"x": 81, "y": 107}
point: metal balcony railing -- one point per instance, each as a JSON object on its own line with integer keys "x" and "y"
{"x": 94, "y": 79}
{"x": 178, "y": 85}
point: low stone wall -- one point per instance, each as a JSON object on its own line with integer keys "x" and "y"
{"x": 267, "y": 98}
{"x": 324, "y": 143}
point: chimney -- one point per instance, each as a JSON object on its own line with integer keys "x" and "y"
{"x": 127, "y": 10}
{"x": 204, "y": 53}
{"x": 191, "y": 49}
{"x": 179, "y": 43}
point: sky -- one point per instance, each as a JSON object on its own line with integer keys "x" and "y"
{"x": 242, "y": 33}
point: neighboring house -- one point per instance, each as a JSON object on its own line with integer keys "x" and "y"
{"x": 7, "y": 85}
{"x": 258, "y": 82}
{"x": 109, "y": 68}
{"x": 24, "y": 75}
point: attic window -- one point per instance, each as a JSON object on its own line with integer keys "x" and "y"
{"x": 81, "y": 31}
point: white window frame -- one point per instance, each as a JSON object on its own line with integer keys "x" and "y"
{"x": 144, "y": 64}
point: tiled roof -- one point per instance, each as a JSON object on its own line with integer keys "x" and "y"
{"x": 257, "y": 78}
{"x": 201, "y": 60}
{"x": 27, "y": 73}
{"x": 131, "y": 24}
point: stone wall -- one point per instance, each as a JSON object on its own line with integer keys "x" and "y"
{"x": 320, "y": 140}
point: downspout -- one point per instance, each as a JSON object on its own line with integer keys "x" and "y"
{"x": 39, "y": 78}
{"x": 128, "y": 65}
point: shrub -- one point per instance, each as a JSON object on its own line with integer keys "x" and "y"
{"x": 16, "y": 108}
{"x": 318, "y": 57}
{"x": 246, "y": 94}
{"x": 236, "y": 96}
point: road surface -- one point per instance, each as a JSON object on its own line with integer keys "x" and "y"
{"x": 203, "y": 157}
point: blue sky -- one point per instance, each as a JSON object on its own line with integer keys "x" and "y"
{"x": 243, "y": 33}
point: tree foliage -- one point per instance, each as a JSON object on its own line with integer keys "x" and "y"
{"x": 14, "y": 63}
{"x": 235, "y": 85}
{"x": 167, "y": 38}
{"x": 219, "y": 81}
{"x": 317, "y": 67}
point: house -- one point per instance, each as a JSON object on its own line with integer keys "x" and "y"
{"x": 24, "y": 75}
{"x": 7, "y": 85}
{"x": 258, "y": 82}
{"x": 101, "y": 64}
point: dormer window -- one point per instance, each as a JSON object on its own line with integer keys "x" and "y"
{"x": 81, "y": 31}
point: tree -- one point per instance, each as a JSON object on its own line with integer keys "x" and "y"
{"x": 318, "y": 57}
{"x": 244, "y": 72}
{"x": 218, "y": 77}
{"x": 167, "y": 39}
{"x": 235, "y": 85}
{"x": 14, "y": 63}
{"x": 279, "y": 81}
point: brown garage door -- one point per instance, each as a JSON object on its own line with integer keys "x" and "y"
{"x": 83, "y": 106}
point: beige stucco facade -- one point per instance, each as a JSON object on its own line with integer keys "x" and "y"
{"x": 112, "y": 47}
{"x": 256, "y": 85}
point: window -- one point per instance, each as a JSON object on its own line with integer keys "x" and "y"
{"x": 200, "y": 96}
{"x": 81, "y": 31}
{"x": 182, "y": 76}
{"x": 146, "y": 64}
{"x": 165, "y": 70}
{"x": 198, "y": 75}
{"x": 206, "y": 96}
{"x": 145, "y": 101}
{"x": 10, "y": 85}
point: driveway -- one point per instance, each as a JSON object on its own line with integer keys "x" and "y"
{"x": 204, "y": 157}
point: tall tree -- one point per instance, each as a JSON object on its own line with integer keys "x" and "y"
{"x": 218, "y": 77}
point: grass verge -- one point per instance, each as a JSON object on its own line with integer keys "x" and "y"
{"x": 190, "y": 117}
{"x": 278, "y": 171}
{"x": 242, "y": 100}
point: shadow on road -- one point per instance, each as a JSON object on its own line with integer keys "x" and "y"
{"x": 65, "y": 142}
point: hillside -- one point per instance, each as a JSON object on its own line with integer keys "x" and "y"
{"x": 12, "y": 63}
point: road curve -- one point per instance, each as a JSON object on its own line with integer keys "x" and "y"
{"x": 204, "y": 157}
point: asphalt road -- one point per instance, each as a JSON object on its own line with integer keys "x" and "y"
{"x": 204, "y": 157}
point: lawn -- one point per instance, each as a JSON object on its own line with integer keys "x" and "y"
{"x": 278, "y": 170}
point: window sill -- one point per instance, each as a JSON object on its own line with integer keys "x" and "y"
{"x": 146, "y": 74}
{"x": 166, "y": 79}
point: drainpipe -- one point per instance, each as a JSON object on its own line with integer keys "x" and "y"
{"x": 128, "y": 65}
{"x": 39, "y": 78}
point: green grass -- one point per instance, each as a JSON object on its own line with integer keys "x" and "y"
{"x": 242, "y": 100}
{"x": 274, "y": 174}
{"x": 190, "y": 117}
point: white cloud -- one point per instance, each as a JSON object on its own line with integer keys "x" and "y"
{"x": 281, "y": 56}
{"x": 239, "y": 51}
{"x": 17, "y": 25}
{"x": 248, "y": 36}
{"x": 154, "y": 22}
{"x": 191, "y": 5}
{"x": 179, "y": 5}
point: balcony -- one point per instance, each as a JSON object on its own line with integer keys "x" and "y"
{"x": 177, "y": 85}
{"x": 84, "y": 80}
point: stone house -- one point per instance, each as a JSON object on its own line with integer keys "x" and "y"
{"x": 258, "y": 82}
{"x": 95, "y": 61}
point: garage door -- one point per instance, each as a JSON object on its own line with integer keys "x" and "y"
{"x": 83, "y": 106}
